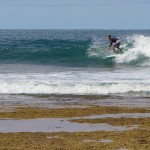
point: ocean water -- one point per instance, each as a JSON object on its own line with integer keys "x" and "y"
{"x": 74, "y": 62}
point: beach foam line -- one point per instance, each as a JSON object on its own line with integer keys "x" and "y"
{"x": 73, "y": 88}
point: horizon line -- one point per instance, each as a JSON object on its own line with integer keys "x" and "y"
{"x": 67, "y": 29}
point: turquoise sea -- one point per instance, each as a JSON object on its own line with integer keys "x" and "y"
{"x": 74, "y": 62}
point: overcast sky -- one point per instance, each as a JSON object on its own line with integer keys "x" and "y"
{"x": 74, "y": 14}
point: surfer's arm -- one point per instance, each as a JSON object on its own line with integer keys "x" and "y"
{"x": 110, "y": 45}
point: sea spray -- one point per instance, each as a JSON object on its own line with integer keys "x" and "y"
{"x": 138, "y": 53}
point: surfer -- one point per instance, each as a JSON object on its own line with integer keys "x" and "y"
{"x": 114, "y": 43}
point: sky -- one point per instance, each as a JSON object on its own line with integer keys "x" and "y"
{"x": 74, "y": 14}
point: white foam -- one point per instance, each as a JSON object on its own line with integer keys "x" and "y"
{"x": 74, "y": 88}
{"x": 141, "y": 47}
{"x": 105, "y": 82}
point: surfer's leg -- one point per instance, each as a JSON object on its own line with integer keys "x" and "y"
{"x": 118, "y": 47}
{"x": 113, "y": 48}
{"x": 120, "y": 50}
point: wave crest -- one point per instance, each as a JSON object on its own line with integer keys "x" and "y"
{"x": 137, "y": 50}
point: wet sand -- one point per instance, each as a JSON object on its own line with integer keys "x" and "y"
{"x": 74, "y": 122}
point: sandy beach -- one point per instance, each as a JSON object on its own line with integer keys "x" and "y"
{"x": 75, "y": 122}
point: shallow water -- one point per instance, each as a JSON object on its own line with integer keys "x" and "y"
{"x": 124, "y": 115}
{"x": 80, "y": 101}
{"x": 54, "y": 125}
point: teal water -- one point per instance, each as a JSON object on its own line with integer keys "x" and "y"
{"x": 81, "y": 48}
{"x": 74, "y": 62}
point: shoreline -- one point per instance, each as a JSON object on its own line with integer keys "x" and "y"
{"x": 87, "y": 112}
{"x": 70, "y": 100}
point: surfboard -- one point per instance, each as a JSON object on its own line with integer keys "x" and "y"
{"x": 110, "y": 56}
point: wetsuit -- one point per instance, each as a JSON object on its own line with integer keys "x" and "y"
{"x": 114, "y": 42}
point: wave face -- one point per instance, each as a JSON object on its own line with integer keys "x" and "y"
{"x": 81, "y": 48}
{"x": 52, "y": 47}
